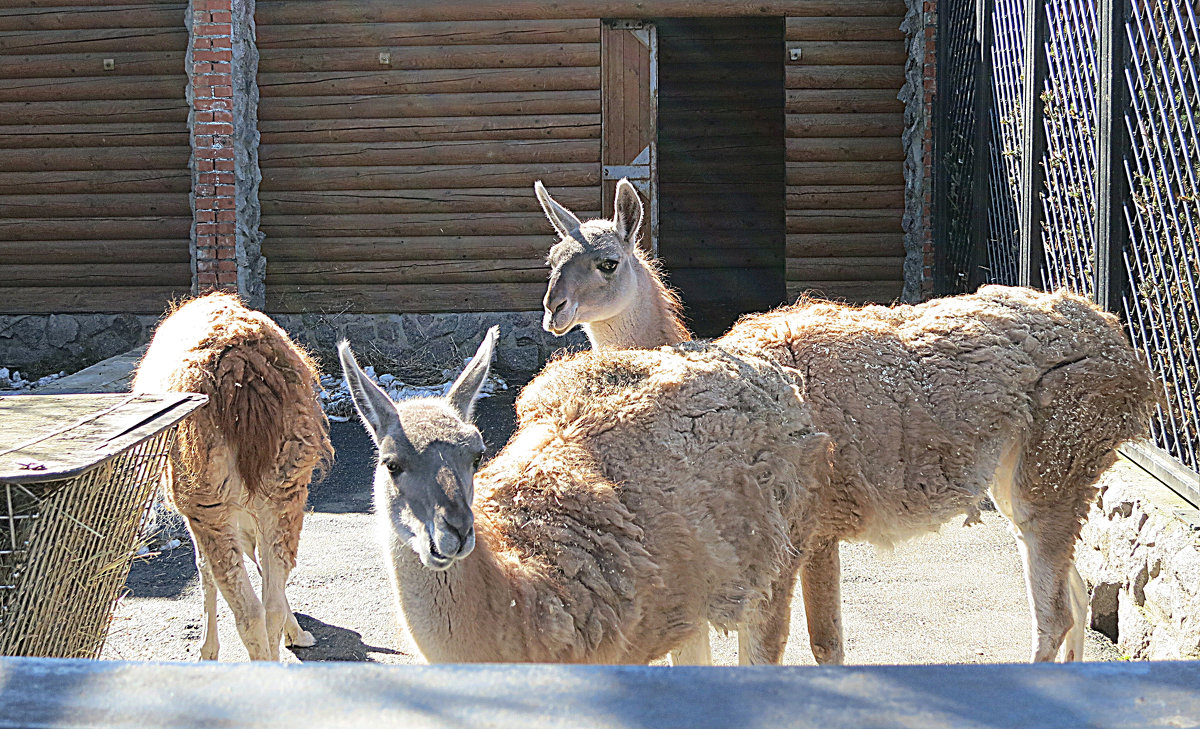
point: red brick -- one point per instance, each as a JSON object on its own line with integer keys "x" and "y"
{"x": 226, "y": 228}
{"x": 214, "y": 105}
{"x": 222, "y": 16}
{"x": 227, "y": 265}
{"x": 226, "y": 216}
{"x": 214, "y": 128}
{"x": 205, "y": 215}
{"x": 222, "y": 115}
{"x": 206, "y": 278}
{"x": 224, "y": 164}
{"x": 225, "y": 189}
{"x": 213, "y": 56}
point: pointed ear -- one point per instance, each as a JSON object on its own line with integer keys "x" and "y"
{"x": 563, "y": 220}
{"x": 466, "y": 388}
{"x": 372, "y": 403}
{"x": 628, "y": 213}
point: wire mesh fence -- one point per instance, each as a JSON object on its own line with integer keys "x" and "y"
{"x": 1156, "y": 155}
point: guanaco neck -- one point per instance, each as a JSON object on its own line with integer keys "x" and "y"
{"x": 652, "y": 321}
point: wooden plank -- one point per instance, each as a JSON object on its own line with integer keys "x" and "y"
{"x": 104, "y": 111}
{"x": 95, "y": 205}
{"x": 415, "y": 224}
{"x": 90, "y": 17}
{"x": 845, "y": 173}
{"x": 72, "y": 65}
{"x": 125, "y": 273}
{"x": 70, "y": 136}
{"x": 94, "y": 228}
{"x": 544, "y": 55}
{"x": 865, "y": 149}
{"x": 373, "y": 202}
{"x": 93, "y": 88}
{"x": 497, "y": 31}
{"x": 845, "y": 77}
{"x": 844, "y": 125}
{"x": 842, "y": 101}
{"x": 406, "y": 298}
{"x": 885, "y": 27}
{"x": 847, "y": 52}
{"x": 859, "y": 268}
{"x": 89, "y": 299}
{"x": 804, "y": 245}
{"x": 270, "y": 12}
{"x": 428, "y": 81}
{"x": 842, "y": 197}
{"x": 844, "y": 221}
{"x": 407, "y": 106}
{"x": 99, "y": 181}
{"x": 430, "y": 129}
{"x": 880, "y": 292}
{"x": 348, "y": 273}
{"x": 409, "y": 248}
{"x": 416, "y": 177}
{"x": 94, "y": 40}
{"x": 95, "y": 251}
{"x": 379, "y": 154}
{"x": 95, "y": 158}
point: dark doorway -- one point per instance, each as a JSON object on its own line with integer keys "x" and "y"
{"x": 721, "y": 165}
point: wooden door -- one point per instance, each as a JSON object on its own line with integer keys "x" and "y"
{"x": 629, "y": 113}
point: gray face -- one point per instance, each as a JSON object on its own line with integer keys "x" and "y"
{"x": 592, "y": 267}
{"x": 428, "y": 454}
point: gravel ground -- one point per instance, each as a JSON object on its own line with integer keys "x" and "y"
{"x": 954, "y": 597}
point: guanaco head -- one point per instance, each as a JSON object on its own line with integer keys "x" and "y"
{"x": 429, "y": 451}
{"x": 592, "y": 267}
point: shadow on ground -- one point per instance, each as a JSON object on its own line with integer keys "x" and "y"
{"x": 336, "y": 644}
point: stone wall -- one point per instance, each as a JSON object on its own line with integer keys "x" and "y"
{"x": 39, "y": 344}
{"x": 1140, "y": 556}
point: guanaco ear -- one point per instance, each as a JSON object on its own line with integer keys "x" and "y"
{"x": 373, "y": 404}
{"x": 627, "y": 215}
{"x": 466, "y": 388}
{"x": 563, "y": 220}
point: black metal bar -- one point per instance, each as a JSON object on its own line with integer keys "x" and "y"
{"x": 1033, "y": 254}
{"x": 980, "y": 181}
{"x": 1112, "y": 145}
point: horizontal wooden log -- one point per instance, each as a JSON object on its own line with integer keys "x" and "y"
{"x": 350, "y": 273}
{"x": 844, "y": 125}
{"x": 845, "y": 173}
{"x": 885, "y": 27}
{"x": 844, "y": 221}
{"x": 405, "y": 298}
{"x": 89, "y": 299}
{"x": 97, "y": 181}
{"x": 428, "y": 177}
{"x": 865, "y": 149}
{"x": 391, "y": 202}
{"x": 412, "y": 248}
{"x": 539, "y": 55}
{"x": 95, "y": 205}
{"x": 94, "y": 40}
{"x": 94, "y": 228}
{"x": 500, "y": 31}
{"x": 72, "y": 65}
{"x": 125, "y": 273}
{"x": 93, "y": 88}
{"x": 854, "y": 292}
{"x": 90, "y": 17}
{"x": 95, "y": 251}
{"x": 357, "y": 11}
{"x": 65, "y": 136}
{"x": 105, "y": 111}
{"x": 844, "y": 197}
{"x": 843, "y": 101}
{"x": 439, "y": 81}
{"x": 846, "y": 269}
{"x": 413, "y": 224}
{"x": 116, "y": 158}
{"x": 805, "y": 245}
{"x": 408, "y": 106}
{"x": 526, "y": 152}
{"x": 430, "y": 129}
{"x": 845, "y": 77}
{"x": 846, "y": 53}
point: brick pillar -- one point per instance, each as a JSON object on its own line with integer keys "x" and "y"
{"x": 222, "y": 62}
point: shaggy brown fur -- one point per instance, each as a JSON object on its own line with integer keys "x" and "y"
{"x": 241, "y": 465}
{"x": 644, "y": 495}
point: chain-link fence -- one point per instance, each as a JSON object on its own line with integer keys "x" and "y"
{"x": 1118, "y": 214}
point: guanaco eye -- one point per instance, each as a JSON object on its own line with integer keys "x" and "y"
{"x": 608, "y": 265}
{"x": 393, "y": 465}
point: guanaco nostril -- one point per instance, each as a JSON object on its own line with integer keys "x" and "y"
{"x": 558, "y": 306}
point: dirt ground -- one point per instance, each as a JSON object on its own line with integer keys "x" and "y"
{"x": 954, "y": 597}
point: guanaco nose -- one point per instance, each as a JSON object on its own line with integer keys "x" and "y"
{"x": 554, "y": 302}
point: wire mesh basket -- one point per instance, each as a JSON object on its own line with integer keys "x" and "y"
{"x": 77, "y": 473}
